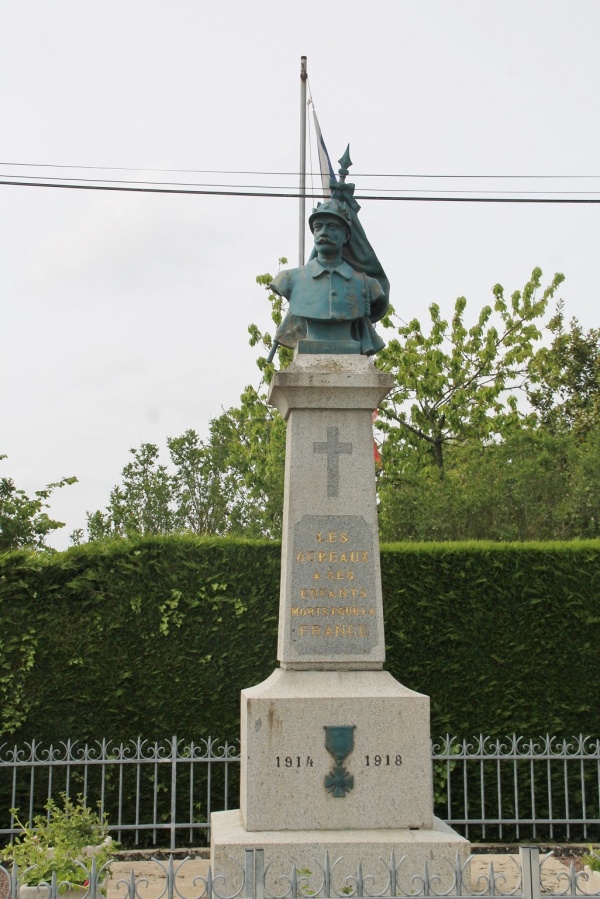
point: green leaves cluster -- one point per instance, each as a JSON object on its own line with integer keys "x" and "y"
{"x": 60, "y": 842}
{"x": 230, "y": 484}
{"x": 23, "y": 519}
{"x": 565, "y": 378}
{"x": 492, "y": 432}
{"x": 459, "y": 384}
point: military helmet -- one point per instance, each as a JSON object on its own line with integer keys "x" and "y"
{"x": 335, "y": 208}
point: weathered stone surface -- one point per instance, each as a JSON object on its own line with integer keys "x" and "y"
{"x": 287, "y": 850}
{"x": 330, "y": 601}
{"x": 285, "y": 761}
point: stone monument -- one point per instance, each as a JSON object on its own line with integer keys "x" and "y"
{"x": 335, "y": 753}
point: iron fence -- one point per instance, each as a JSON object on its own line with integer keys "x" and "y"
{"x": 527, "y": 877}
{"x": 162, "y": 793}
{"x": 514, "y": 788}
{"x": 153, "y": 793}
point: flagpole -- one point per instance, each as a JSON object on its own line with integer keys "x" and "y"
{"x": 302, "y": 226}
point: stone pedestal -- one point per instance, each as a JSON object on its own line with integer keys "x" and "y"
{"x": 285, "y": 762}
{"x": 335, "y": 753}
{"x": 286, "y": 850}
{"x": 330, "y": 612}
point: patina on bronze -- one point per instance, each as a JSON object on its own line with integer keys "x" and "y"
{"x": 337, "y": 296}
{"x": 339, "y": 742}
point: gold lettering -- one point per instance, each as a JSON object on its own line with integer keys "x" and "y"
{"x": 352, "y": 630}
{"x": 364, "y": 557}
{"x": 316, "y": 576}
{"x": 332, "y": 537}
{"x": 354, "y": 557}
{"x": 343, "y": 593}
{"x": 323, "y": 592}
{"x": 299, "y": 557}
{"x": 316, "y": 630}
{"x": 343, "y": 557}
{"x": 355, "y": 611}
{"x": 314, "y": 593}
{"x": 333, "y": 556}
{"x": 319, "y": 538}
{"x": 350, "y": 575}
{"x": 353, "y": 592}
{"x": 310, "y": 611}
{"x": 304, "y": 593}
{"x": 371, "y": 611}
{"x": 310, "y": 557}
{"x": 343, "y": 537}
{"x": 340, "y": 630}
{"x": 328, "y": 631}
{"x": 363, "y": 630}
{"x": 322, "y": 556}
{"x": 295, "y": 610}
{"x": 303, "y": 630}
{"x": 332, "y": 594}
{"x": 339, "y": 575}
{"x": 363, "y": 593}
{"x": 324, "y": 611}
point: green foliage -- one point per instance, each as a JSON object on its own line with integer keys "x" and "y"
{"x": 458, "y": 384}
{"x": 533, "y": 485}
{"x": 60, "y": 842}
{"x": 164, "y": 632}
{"x": 230, "y": 484}
{"x": 565, "y": 388}
{"x": 23, "y": 521}
{"x": 593, "y": 859}
{"x": 501, "y": 636}
{"x": 276, "y": 302}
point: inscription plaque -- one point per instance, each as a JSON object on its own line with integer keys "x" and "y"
{"x": 333, "y": 608}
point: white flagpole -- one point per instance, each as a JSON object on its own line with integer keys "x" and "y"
{"x": 302, "y": 225}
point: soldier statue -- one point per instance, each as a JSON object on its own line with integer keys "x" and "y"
{"x": 337, "y": 296}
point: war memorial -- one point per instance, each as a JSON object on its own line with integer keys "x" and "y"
{"x": 335, "y": 753}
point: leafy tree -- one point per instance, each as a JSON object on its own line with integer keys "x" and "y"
{"x": 142, "y": 504}
{"x": 212, "y": 487}
{"x": 513, "y": 489}
{"x": 565, "y": 376}
{"x": 23, "y": 521}
{"x": 459, "y": 384}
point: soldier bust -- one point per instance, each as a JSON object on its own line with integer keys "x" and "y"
{"x": 331, "y": 305}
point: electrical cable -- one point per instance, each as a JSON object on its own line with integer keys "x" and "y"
{"x": 296, "y": 195}
{"x": 112, "y": 168}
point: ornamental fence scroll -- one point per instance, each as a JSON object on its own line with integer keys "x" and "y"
{"x": 525, "y": 876}
{"x": 162, "y": 793}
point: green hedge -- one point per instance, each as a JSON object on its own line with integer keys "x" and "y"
{"x": 157, "y": 636}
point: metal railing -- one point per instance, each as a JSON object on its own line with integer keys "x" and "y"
{"x": 512, "y": 789}
{"x": 526, "y": 877}
{"x": 153, "y": 793}
{"x": 162, "y": 793}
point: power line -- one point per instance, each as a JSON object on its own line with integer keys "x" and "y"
{"x": 296, "y": 195}
{"x": 114, "y": 168}
{"x": 274, "y": 187}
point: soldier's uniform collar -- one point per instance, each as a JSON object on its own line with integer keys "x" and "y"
{"x": 316, "y": 269}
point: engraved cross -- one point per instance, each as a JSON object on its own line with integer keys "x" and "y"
{"x": 334, "y": 449}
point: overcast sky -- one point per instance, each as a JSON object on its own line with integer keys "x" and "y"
{"x": 124, "y": 315}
